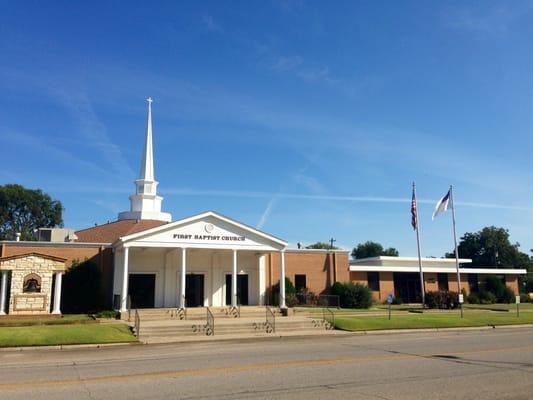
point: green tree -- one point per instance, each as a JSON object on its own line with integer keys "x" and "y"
{"x": 23, "y": 210}
{"x": 82, "y": 288}
{"x": 373, "y": 249}
{"x": 491, "y": 247}
{"x": 321, "y": 245}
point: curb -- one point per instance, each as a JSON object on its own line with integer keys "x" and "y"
{"x": 451, "y": 329}
{"x": 68, "y": 346}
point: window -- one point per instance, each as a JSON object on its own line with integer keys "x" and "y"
{"x": 473, "y": 282}
{"x": 300, "y": 282}
{"x": 373, "y": 281}
{"x": 442, "y": 279}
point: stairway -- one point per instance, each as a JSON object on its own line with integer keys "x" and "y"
{"x": 164, "y": 326}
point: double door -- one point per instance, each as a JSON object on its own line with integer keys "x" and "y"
{"x": 242, "y": 289}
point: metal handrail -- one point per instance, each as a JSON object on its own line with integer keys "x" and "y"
{"x": 270, "y": 320}
{"x": 327, "y": 297}
{"x": 210, "y": 323}
{"x": 137, "y": 323}
{"x": 183, "y": 310}
{"x": 329, "y": 318}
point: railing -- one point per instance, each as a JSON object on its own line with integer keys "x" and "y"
{"x": 128, "y": 306}
{"x": 182, "y": 311}
{"x": 328, "y": 316}
{"x": 137, "y": 323}
{"x": 210, "y": 324}
{"x": 270, "y": 320}
{"x": 329, "y": 300}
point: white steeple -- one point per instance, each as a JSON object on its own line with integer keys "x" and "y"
{"x": 145, "y": 203}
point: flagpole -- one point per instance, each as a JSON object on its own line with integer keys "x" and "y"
{"x": 459, "y": 293}
{"x": 418, "y": 247}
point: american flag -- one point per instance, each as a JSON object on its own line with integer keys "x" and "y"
{"x": 414, "y": 218}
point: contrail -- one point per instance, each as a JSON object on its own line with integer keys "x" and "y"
{"x": 364, "y": 199}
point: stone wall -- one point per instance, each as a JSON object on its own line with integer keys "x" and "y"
{"x": 21, "y": 267}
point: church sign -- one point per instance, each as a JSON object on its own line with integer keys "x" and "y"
{"x": 225, "y": 238}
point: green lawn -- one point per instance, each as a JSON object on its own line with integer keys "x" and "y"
{"x": 44, "y": 335}
{"x": 415, "y": 321}
{"x": 500, "y": 307}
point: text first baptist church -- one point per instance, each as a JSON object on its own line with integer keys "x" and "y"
{"x": 147, "y": 260}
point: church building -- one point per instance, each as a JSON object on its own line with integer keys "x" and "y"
{"x": 146, "y": 259}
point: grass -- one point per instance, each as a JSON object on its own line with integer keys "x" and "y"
{"x": 500, "y": 307}
{"x": 44, "y": 335}
{"x": 32, "y": 320}
{"x": 416, "y": 321}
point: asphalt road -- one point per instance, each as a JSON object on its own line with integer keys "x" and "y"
{"x": 495, "y": 364}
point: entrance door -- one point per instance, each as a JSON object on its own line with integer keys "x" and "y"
{"x": 142, "y": 290}
{"x": 407, "y": 287}
{"x": 194, "y": 290}
{"x": 242, "y": 289}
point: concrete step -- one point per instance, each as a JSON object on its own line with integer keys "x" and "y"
{"x": 200, "y": 313}
{"x": 152, "y": 330}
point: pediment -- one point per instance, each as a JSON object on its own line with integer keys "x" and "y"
{"x": 207, "y": 230}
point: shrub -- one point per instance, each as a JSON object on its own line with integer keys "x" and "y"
{"x": 306, "y": 297}
{"x": 352, "y": 295}
{"x": 290, "y": 293}
{"x": 486, "y": 297}
{"x": 107, "y": 314}
{"x": 473, "y": 298}
{"x": 524, "y": 298}
{"x": 442, "y": 299}
{"x": 508, "y": 295}
{"x": 495, "y": 285}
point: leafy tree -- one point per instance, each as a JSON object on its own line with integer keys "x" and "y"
{"x": 81, "y": 288}
{"x": 373, "y": 249}
{"x": 491, "y": 247}
{"x": 23, "y": 210}
{"x": 322, "y": 245}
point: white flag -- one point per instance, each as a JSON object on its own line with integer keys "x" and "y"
{"x": 442, "y": 205}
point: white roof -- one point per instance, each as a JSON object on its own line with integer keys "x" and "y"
{"x": 425, "y": 260}
{"x": 447, "y": 269}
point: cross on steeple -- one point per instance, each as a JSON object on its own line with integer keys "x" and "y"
{"x": 150, "y": 100}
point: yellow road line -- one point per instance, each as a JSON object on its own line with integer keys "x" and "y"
{"x": 244, "y": 368}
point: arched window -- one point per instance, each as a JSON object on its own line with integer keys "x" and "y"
{"x": 32, "y": 284}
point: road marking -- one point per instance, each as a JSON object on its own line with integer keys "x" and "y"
{"x": 246, "y": 368}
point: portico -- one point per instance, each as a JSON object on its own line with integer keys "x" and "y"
{"x": 205, "y": 260}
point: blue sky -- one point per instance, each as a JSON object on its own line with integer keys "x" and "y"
{"x": 308, "y": 120}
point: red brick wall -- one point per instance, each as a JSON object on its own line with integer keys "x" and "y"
{"x": 101, "y": 256}
{"x": 321, "y": 269}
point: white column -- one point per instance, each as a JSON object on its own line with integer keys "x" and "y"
{"x": 234, "y": 280}
{"x": 125, "y": 276}
{"x": 183, "y": 273}
{"x": 57, "y": 293}
{"x": 3, "y": 293}
{"x": 262, "y": 279}
{"x": 282, "y": 281}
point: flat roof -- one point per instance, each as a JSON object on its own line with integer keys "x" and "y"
{"x": 424, "y": 259}
{"x": 445, "y": 269}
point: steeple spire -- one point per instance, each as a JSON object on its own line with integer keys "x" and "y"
{"x": 145, "y": 203}
{"x": 147, "y": 165}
